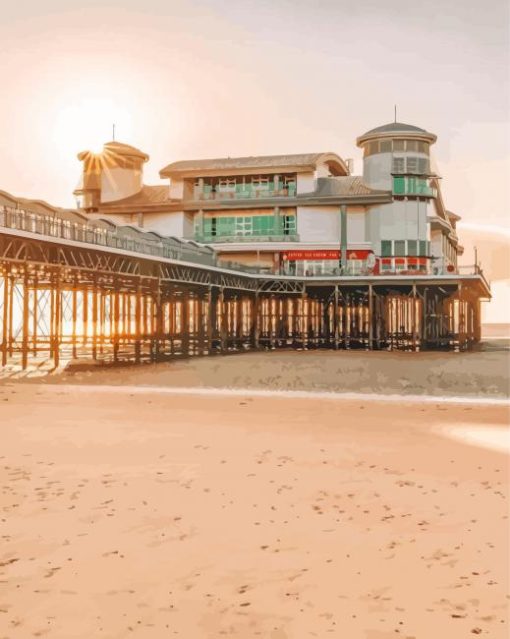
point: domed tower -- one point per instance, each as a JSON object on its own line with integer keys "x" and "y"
{"x": 395, "y": 150}
{"x": 396, "y": 157}
{"x": 113, "y": 174}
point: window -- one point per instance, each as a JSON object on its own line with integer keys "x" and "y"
{"x": 289, "y": 224}
{"x": 423, "y": 166}
{"x": 385, "y": 146}
{"x": 226, "y": 184}
{"x": 412, "y": 165}
{"x": 289, "y": 180}
{"x": 399, "y": 145}
{"x": 225, "y": 226}
{"x": 423, "y": 147}
{"x": 263, "y": 225}
{"x": 412, "y": 247}
{"x": 386, "y": 248}
{"x": 243, "y": 226}
{"x": 399, "y": 185}
{"x": 400, "y": 247}
{"x": 259, "y": 180}
{"x": 412, "y": 145}
{"x": 372, "y": 148}
{"x": 411, "y": 185}
{"x": 398, "y": 165}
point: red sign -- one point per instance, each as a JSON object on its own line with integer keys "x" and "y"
{"x": 325, "y": 255}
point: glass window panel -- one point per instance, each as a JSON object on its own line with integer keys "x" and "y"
{"x": 386, "y": 248}
{"x": 423, "y": 165}
{"x": 412, "y": 165}
{"x": 398, "y": 185}
{"x": 399, "y": 145}
{"x": 398, "y": 165}
{"x": 423, "y": 247}
{"x": 385, "y": 146}
{"x": 400, "y": 247}
{"x": 225, "y": 225}
{"x": 412, "y": 247}
{"x": 412, "y": 145}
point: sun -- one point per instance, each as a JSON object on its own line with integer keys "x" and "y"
{"x": 88, "y": 124}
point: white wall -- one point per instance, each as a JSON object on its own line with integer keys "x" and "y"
{"x": 318, "y": 223}
{"x": 117, "y": 184}
{"x": 306, "y": 182}
{"x": 322, "y": 224}
{"x": 356, "y": 227}
{"x": 170, "y": 223}
{"x": 377, "y": 171}
{"x": 322, "y": 170}
{"x": 400, "y": 220}
{"x": 377, "y": 168}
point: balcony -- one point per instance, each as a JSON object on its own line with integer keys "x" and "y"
{"x": 413, "y": 186}
{"x": 207, "y": 238}
{"x": 244, "y": 192}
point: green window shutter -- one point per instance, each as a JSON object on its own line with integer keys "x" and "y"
{"x": 225, "y": 226}
{"x": 398, "y": 185}
{"x": 423, "y": 247}
{"x": 386, "y": 248}
{"x": 421, "y": 187}
{"x": 412, "y": 247}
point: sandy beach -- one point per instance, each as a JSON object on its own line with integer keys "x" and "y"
{"x": 482, "y": 373}
{"x": 127, "y": 512}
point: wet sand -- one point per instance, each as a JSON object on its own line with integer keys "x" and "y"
{"x": 471, "y": 374}
{"x": 154, "y": 515}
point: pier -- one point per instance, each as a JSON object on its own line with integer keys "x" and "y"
{"x": 81, "y": 291}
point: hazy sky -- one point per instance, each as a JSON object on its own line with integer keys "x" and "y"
{"x": 211, "y": 78}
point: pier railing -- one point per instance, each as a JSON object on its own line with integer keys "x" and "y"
{"x": 96, "y": 232}
{"x": 105, "y": 233}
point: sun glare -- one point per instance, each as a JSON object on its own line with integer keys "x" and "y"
{"x": 88, "y": 125}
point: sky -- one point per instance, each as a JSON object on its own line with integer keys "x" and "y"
{"x": 212, "y": 78}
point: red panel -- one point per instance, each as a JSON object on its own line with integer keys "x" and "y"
{"x": 352, "y": 254}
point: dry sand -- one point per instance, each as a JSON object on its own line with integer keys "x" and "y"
{"x": 143, "y": 514}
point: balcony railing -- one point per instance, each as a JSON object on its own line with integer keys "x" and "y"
{"x": 206, "y": 238}
{"x": 244, "y": 192}
{"x": 412, "y": 186}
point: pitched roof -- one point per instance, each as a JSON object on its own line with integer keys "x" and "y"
{"x": 148, "y": 195}
{"x": 344, "y": 185}
{"x": 253, "y": 162}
